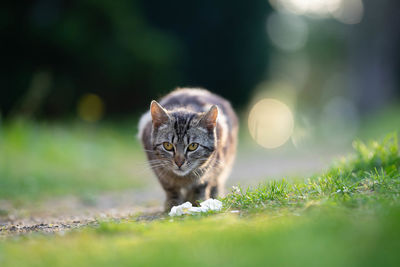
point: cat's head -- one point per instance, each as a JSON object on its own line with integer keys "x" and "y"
{"x": 183, "y": 140}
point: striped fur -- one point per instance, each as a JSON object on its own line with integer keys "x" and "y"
{"x": 183, "y": 117}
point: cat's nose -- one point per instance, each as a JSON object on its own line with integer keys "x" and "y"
{"x": 179, "y": 162}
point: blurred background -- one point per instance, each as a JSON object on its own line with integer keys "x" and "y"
{"x": 76, "y": 75}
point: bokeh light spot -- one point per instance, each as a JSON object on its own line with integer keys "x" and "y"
{"x": 350, "y": 12}
{"x": 90, "y": 107}
{"x": 302, "y": 7}
{"x": 345, "y": 11}
{"x": 287, "y": 32}
{"x": 270, "y": 123}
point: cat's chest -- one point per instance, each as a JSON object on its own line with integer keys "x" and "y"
{"x": 174, "y": 180}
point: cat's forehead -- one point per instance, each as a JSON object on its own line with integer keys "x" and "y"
{"x": 183, "y": 123}
{"x": 181, "y": 126}
{"x": 182, "y": 116}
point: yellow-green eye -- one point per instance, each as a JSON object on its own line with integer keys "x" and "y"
{"x": 193, "y": 146}
{"x": 168, "y": 146}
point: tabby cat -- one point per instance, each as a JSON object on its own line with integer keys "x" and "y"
{"x": 190, "y": 139}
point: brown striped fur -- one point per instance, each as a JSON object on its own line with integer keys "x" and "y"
{"x": 183, "y": 117}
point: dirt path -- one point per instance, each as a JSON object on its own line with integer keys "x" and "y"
{"x": 59, "y": 225}
{"x": 63, "y": 214}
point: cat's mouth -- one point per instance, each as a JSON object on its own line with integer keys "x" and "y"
{"x": 181, "y": 172}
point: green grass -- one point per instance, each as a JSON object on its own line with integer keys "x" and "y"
{"x": 39, "y": 160}
{"x": 373, "y": 168}
{"x": 348, "y": 216}
{"x": 327, "y": 236}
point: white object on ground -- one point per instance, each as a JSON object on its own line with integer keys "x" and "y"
{"x": 187, "y": 208}
{"x": 211, "y": 204}
{"x": 181, "y": 209}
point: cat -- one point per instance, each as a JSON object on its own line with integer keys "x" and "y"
{"x": 190, "y": 140}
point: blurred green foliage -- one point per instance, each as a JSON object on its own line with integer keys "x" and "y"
{"x": 38, "y": 160}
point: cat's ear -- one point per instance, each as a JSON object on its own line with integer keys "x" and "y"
{"x": 159, "y": 115}
{"x": 209, "y": 119}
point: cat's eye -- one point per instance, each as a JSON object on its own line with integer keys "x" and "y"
{"x": 168, "y": 146}
{"x": 193, "y": 146}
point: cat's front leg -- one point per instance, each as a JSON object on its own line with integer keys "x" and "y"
{"x": 214, "y": 191}
{"x": 174, "y": 198}
{"x": 198, "y": 193}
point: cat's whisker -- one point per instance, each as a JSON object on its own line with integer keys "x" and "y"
{"x": 196, "y": 173}
{"x": 144, "y": 169}
{"x": 158, "y": 165}
{"x": 157, "y": 161}
{"x": 151, "y": 164}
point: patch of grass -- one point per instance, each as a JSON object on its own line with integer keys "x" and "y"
{"x": 348, "y": 216}
{"x": 373, "y": 168}
{"x": 39, "y": 159}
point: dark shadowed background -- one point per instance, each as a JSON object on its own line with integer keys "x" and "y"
{"x": 129, "y": 52}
